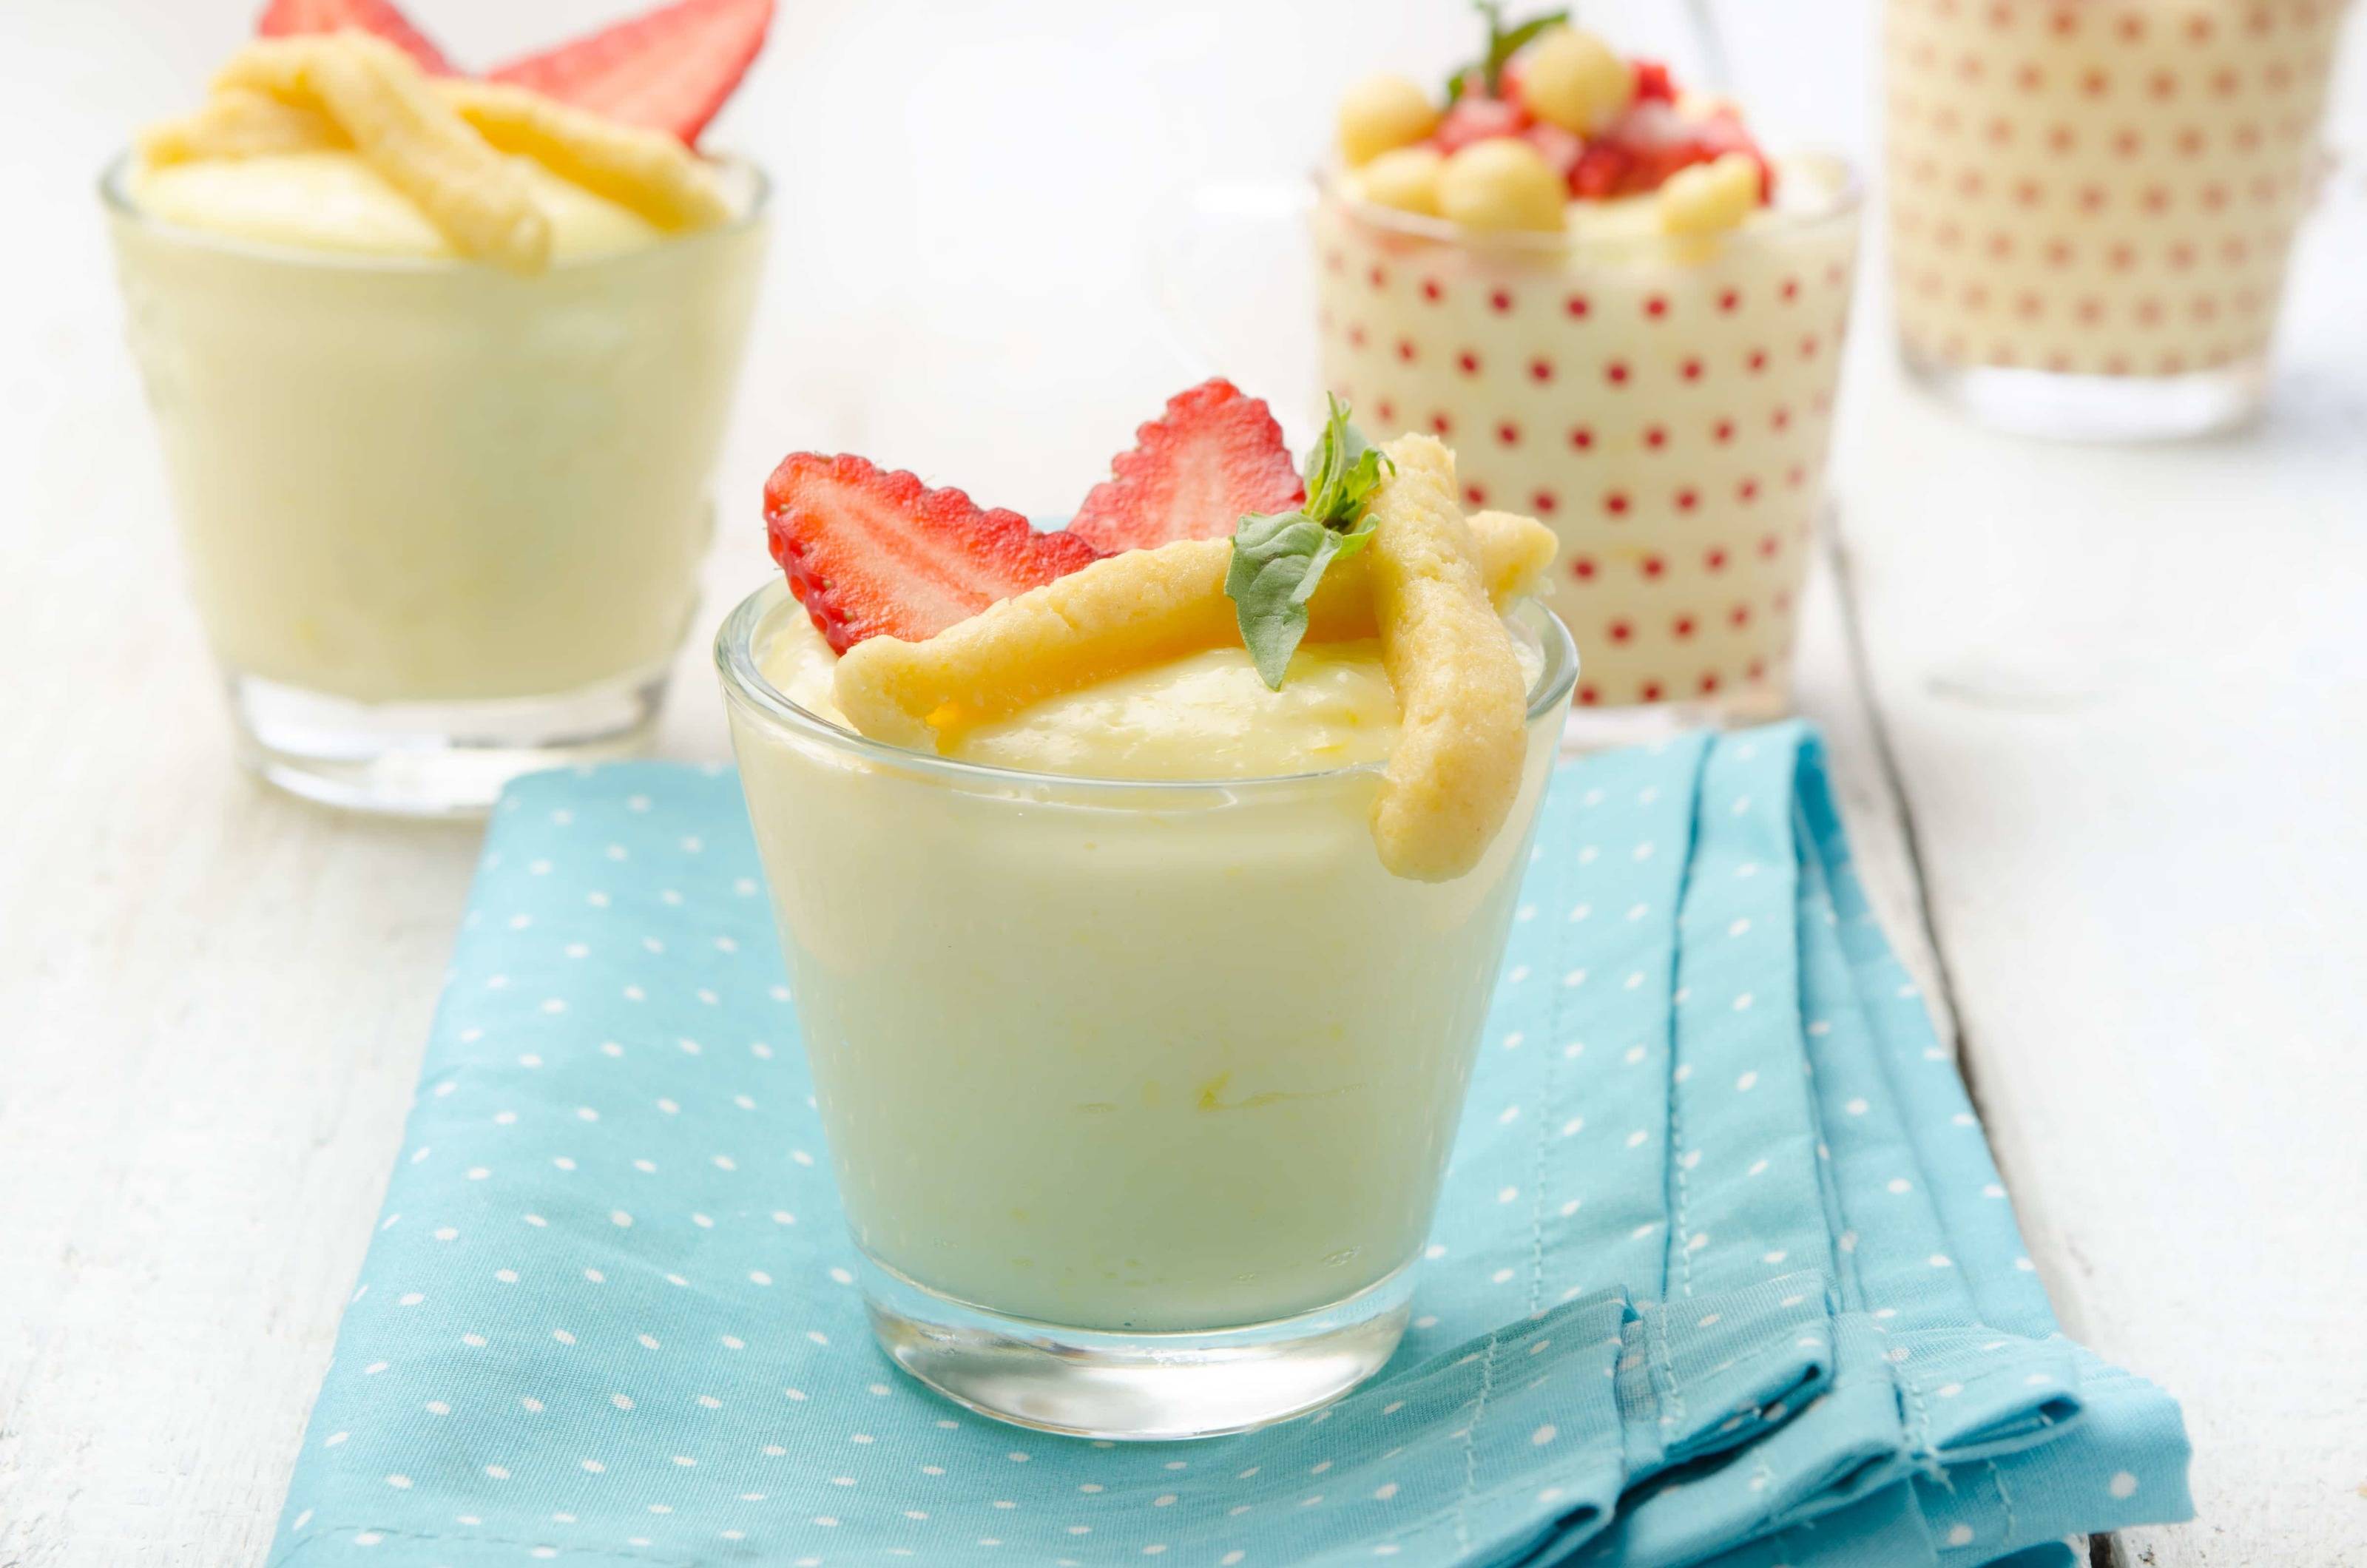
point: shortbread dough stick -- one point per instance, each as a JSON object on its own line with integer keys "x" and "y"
{"x": 1128, "y": 612}
{"x": 239, "y": 123}
{"x": 648, "y": 172}
{"x": 1462, "y": 704}
{"x": 380, "y": 97}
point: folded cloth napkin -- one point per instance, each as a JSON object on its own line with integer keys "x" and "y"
{"x": 1723, "y": 1272}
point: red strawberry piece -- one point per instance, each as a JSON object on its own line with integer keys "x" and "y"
{"x": 670, "y": 68}
{"x": 1602, "y": 171}
{"x": 1722, "y": 132}
{"x": 1652, "y": 140}
{"x": 1215, "y": 455}
{"x": 287, "y": 18}
{"x": 872, "y": 554}
{"x": 1561, "y": 148}
{"x": 1477, "y": 120}
{"x": 1653, "y": 83}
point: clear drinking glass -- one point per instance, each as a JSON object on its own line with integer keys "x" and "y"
{"x": 2092, "y": 202}
{"x": 1664, "y": 403}
{"x": 1138, "y": 1093}
{"x": 443, "y": 524}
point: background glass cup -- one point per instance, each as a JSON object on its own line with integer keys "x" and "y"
{"x": 1140, "y": 1094}
{"x": 2093, "y": 202}
{"x": 443, "y": 524}
{"x": 1665, "y": 404}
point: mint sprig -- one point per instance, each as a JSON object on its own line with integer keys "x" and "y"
{"x": 1280, "y": 557}
{"x": 1503, "y": 42}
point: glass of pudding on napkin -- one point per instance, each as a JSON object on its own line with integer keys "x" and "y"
{"x": 1141, "y": 948}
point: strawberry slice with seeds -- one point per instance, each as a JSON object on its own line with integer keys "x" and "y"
{"x": 669, "y": 70}
{"x": 871, "y": 553}
{"x": 1215, "y": 455}
{"x": 288, "y": 19}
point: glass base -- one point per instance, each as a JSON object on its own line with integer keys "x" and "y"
{"x": 2066, "y": 407}
{"x": 1590, "y": 730}
{"x": 438, "y": 760}
{"x": 1135, "y": 1387}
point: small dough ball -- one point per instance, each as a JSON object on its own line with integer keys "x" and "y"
{"x": 1381, "y": 113}
{"x": 1709, "y": 198}
{"x": 1405, "y": 178}
{"x": 1576, "y": 81}
{"x": 1501, "y": 183}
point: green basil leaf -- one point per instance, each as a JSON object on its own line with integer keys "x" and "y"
{"x": 1279, "y": 559}
{"x": 1328, "y": 461}
{"x": 1357, "y": 486}
{"x": 1503, "y": 44}
{"x": 1277, "y": 562}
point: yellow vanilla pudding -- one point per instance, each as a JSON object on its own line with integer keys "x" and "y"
{"x": 1058, "y": 1119}
{"x": 2101, "y": 189}
{"x": 1628, "y": 321}
{"x": 1141, "y": 991}
{"x": 440, "y": 370}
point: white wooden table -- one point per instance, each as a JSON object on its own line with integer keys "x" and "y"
{"x": 2148, "y": 900}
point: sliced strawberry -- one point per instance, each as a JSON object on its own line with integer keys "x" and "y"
{"x": 670, "y": 68}
{"x": 872, "y": 554}
{"x": 285, "y": 18}
{"x": 1215, "y": 455}
{"x": 1477, "y": 119}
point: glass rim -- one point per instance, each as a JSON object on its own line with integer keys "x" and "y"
{"x": 115, "y": 194}
{"x": 1848, "y": 195}
{"x": 744, "y": 682}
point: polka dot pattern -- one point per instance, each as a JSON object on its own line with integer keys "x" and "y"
{"x": 1662, "y": 1311}
{"x": 1668, "y": 419}
{"x": 2100, "y": 187}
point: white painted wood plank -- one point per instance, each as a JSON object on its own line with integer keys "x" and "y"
{"x": 2148, "y": 889}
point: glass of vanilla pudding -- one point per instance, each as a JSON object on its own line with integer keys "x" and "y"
{"x": 2092, "y": 202}
{"x": 1663, "y": 400}
{"x": 443, "y": 523}
{"x": 1140, "y": 1082}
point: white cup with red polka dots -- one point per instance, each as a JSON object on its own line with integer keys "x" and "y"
{"x": 1664, "y": 403}
{"x": 2092, "y": 202}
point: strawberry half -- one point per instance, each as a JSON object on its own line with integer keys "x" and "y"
{"x": 1214, "y": 455}
{"x": 875, "y": 554}
{"x": 285, "y": 18}
{"x": 669, "y": 70}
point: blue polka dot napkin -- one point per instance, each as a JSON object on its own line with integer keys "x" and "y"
{"x": 1723, "y": 1272}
